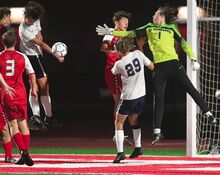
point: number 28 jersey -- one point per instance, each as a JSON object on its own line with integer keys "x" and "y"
{"x": 12, "y": 66}
{"x": 131, "y": 68}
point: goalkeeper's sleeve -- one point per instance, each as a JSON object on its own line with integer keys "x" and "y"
{"x": 187, "y": 49}
{"x": 130, "y": 33}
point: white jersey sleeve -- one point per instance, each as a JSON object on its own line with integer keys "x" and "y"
{"x": 146, "y": 60}
{"x": 116, "y": 68}
{"x": 107, "y": 38}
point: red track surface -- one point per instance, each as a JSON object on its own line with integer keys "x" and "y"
{"x": 102, "y": 164}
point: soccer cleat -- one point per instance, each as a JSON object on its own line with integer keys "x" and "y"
{"x": 127, "y": 142}
{"x": 36, "y": 123}
{"x": 119, "y": 157}
{"x": 9, "y": 160}
{"x": 156, "y": 138}
{"x": 25, "y": 159}
{"x": 51, "y": 121}
{"x": 137, "y": 152}
{"x": 211, "y": 119}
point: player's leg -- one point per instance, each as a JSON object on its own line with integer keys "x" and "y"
{"x": 197, "y": 97}
{"x": 25, "y": 133}
{"x": 46, "y": 102}
{"x": 116, "y": 97}
{"x": 159, "y": 82}
{"x": 133, "y": 121}
{"x": 13, "y": 113}
{"x": 137, "y": 107}
{"x": 24, "y": 136}
{"x": 6, "y": 139}
{"x": 35, "y": 122}
{"x": 119, "y": 137}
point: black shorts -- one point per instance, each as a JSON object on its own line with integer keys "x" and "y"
{"x": 129, "y": 107}
{"x": 37, "y": 66}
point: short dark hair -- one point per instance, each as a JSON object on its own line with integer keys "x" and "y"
{"x": 170, "y": 13}
{"x": 121, "y": 14}
{"x": 4, "y": 11}
{"x": 33, "y": 10}
{"x": 9, "y": 38}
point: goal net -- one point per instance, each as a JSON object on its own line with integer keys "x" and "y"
{"x": 208, "y": 136}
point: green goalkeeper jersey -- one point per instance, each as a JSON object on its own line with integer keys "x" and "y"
{"x": 161, "y": 41}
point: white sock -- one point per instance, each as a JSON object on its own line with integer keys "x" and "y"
{"x": 34, "y": 104}
{"x": 157, "y": 131}
{"x": 46, "y": 103}
{"x": 137, "y": 137}
{"x": 119, "y": 139}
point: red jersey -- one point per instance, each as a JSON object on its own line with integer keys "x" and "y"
{"x": 112, "y": 57}
{"x": 12, "y": 66}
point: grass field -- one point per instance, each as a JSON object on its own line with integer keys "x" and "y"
{"x": 156, "y": 152}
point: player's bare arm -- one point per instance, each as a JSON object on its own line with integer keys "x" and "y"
{"x": 46, "y": 47}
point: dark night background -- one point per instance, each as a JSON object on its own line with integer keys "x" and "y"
{"x": 75, "y": 85}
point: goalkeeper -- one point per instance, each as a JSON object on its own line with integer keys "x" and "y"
{"x": 162, "y": 34}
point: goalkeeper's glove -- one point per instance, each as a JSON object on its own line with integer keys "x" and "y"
{"x": 104, "y": 30}
{"x": 195, "y": 65}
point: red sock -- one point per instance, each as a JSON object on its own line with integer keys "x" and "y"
{"x": 8, "y": 149}
{"x": 19, "y": 141}
{"x": 26, "y": 140}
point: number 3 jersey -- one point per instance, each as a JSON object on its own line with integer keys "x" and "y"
{"x": 12, "y": 66}
{"x": 131, "y": 68}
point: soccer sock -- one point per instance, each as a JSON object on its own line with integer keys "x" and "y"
{"x": 137, "y": 137}
{"x": 46, "y": 102}
{"x": 34, "y": 104}
{"x": 8, "y": 149}
{"x": 157, "y": 131}
{"x": 26, "y": 140}
{"x": 19, "y": 141}
{"x": 119, "y": 139}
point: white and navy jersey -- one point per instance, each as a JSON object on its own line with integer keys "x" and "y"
{"x": 28, "y": 33}
{"x": 131, "y": 68}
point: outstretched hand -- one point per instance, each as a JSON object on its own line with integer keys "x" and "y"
{"x": 103, "y": 30}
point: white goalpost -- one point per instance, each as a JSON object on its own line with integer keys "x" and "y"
{"x": 191, "y": 109}
{"x": 203, "y": 34}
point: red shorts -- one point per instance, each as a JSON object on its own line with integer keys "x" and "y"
{"x": 113, "y": 82}
{"x": 2, "y": 119}
{"x": 16, "y": 111}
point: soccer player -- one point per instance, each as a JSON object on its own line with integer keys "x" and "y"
{"x": 5, "y": 21}
{"x": 32, "y": 44}
{"x": 5, "y": 25}
{"x": 113, "y": 82}
{"x": 12, "y": 66}
{"x": 131, "y": 69}
{"x": 162, "y": 34}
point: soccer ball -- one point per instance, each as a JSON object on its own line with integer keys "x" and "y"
{"x": 217, "y": 94}
{"x": 59, "y": 48}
